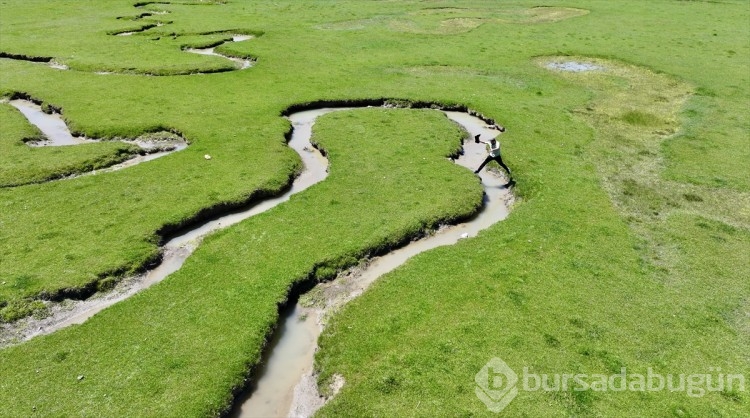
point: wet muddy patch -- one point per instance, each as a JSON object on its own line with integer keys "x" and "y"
{"x": 574, "y": 66}
{"x": 548, "y": 14}
{"x": 635, "y": 112}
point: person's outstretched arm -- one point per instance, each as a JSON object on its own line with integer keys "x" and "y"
{"x": 477, "y": 140}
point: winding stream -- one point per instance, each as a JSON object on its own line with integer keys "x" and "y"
{"x": 241, "y": 63}
{"x": 285, "y": 384}
{"x": 178, "y": 248}
{"x": 57, "y": 134}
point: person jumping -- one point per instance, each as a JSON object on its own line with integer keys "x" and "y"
{"x": 494, "y": 154}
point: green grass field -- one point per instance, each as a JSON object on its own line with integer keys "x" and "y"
{"x": 629, "y": 247}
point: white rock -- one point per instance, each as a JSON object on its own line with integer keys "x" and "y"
{"x": 208, "y": 157}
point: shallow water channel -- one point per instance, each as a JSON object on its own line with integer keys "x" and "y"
{"x": 241, "y": 63}
{"x": 285, "y": 383}
{"x": 177, "y": 249}
{"x": 57, "y": 134}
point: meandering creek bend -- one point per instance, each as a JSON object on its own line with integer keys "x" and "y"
{"x": 285, "y": 384}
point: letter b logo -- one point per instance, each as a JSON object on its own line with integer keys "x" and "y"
{"x": 496, "y": 385}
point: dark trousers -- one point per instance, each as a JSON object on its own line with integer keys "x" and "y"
{"x": 497, "y": 159}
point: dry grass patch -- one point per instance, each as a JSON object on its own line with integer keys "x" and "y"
{"x": 634, "y": 110}
{"x": 453, "y": 20}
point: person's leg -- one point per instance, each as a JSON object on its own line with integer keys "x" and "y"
{"x": 499, "y": 160}
{"x": 484, "y": 163}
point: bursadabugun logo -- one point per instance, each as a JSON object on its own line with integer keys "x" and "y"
{"x": 496, "y": 385}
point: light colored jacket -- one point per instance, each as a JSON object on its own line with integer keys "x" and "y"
{"x": 494, "y": 151}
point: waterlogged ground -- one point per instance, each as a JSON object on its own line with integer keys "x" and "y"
{"x": 628, "y": 245}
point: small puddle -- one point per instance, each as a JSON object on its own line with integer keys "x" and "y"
{"x": 573, "y": 66}
{"x": 58, "y": 66}
{"x": 241, "y": 63}
{"x": 57, "y": 134}
{"x": 285, "y": 384}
